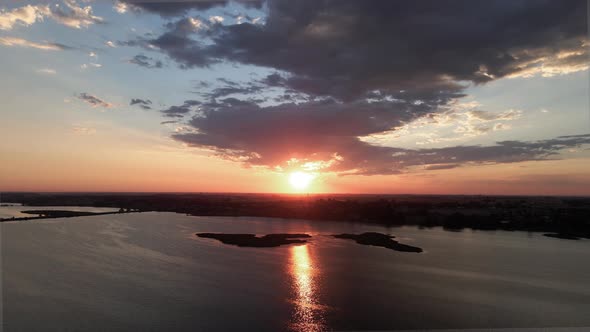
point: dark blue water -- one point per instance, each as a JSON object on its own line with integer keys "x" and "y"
{"x": 147, "y": 271}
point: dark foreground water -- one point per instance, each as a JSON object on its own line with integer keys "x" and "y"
{"x": 147, "y": 272}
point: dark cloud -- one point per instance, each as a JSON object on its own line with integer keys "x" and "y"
{"x": 202, "y": 84}
{"x": 94, "y": 101}
{"x": 143, "y": 103}
{"x": 501, "y": 152}
{"x": 441, "y": 166}
{"x": 178, "y": 44}
{"x": 241, "y": 17}
{"x": 145, "y": 61}
{"x": 233, "y": 88}
{"x": 181, "y": 7}
{"x": 327, "y": 134}
{"x": 182, "y": 110}
{"x": 173, "y": 7}
{"x": 228, "y": 81}
{"x": 284, "y": 98}
{"x": 348, "y": 48}
{"x": 369, "y": 67}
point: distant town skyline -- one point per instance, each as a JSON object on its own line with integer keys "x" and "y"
{"x": 307, "y": 96}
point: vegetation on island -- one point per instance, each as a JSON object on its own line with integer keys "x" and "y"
{"x": 251, "y": 240}
{"x": 379, "y": 240}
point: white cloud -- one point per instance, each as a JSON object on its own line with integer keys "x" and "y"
{"x": 464, "y": 119}
{"x": 70, "y": 14}
{"x": 91, "y": 64}
{"x": 549, "y": 64}
{"x": 26, "y": 16}
{"x": 74, "y": 16}
{"x": 110, "y": 44}
{"x": 491, "y": 116}
{"x": 501, "y": 126}
{"x": 215, "y": 19}
{"x": 197, "y": 24}
{"x": 47, "y": 71}
{"x": 120, "y": 7}
{"x": 12, "y": 41}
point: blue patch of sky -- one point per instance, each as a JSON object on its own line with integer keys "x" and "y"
{"x": 116, "y": 81}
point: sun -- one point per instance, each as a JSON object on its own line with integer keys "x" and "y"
{"x": 300, "y": 180}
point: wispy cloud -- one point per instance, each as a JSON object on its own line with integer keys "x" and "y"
{"x": 143, "y": 103}
{"x": 45, "y": 46}
{"x": 90, "y": 65}
{"x": 47, "y": 71}
{"x": 145, "y": 61}
{"x": 25, "y": 16}
{"x": 181, "y": 110}
{"x": 74, "y": 16}
{"x": 94, "y": 101}
{"x": 68, "y": 13}
{"x": 82, "y": 130}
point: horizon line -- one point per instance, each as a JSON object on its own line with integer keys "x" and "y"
{"x": 283, "y": 193}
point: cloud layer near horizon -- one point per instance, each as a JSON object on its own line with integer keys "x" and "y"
{"x": 325, "y": 136}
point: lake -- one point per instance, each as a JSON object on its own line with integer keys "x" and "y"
{"x": 149, "y": 272}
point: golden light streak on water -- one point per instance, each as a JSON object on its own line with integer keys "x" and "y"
{"x": 308, "y": 315}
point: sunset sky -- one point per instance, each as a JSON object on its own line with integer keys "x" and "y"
{"x": 441, "y": 97}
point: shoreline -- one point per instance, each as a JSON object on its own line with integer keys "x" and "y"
{"x": 545, "y": 233}
{"x": 74, "y": 215}
{"x": 565, "y": 217}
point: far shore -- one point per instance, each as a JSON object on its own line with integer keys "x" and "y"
{"x": 565, "y": 218}
{"x": 54, "y": 214}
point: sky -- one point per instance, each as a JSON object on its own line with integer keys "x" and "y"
{"x": 399, "y": 97}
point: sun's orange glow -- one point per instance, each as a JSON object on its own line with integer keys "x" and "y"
{"x": 300, "y": 180}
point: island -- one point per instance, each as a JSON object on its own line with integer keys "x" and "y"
{"x": 564, "y": 236}
{"x": 379, "y": 240}
{"x": 251, "y": 240}
{"x": 59, "y": 213}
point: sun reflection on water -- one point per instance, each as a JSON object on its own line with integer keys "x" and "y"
{"x": 308, "y": 314}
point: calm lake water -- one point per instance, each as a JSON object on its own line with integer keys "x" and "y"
{"x": 148, "y": 272}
